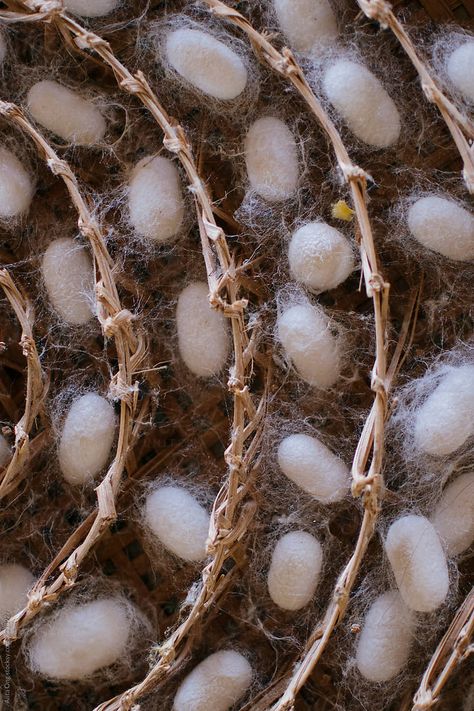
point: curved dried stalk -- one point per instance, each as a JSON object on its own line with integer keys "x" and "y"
{"x": 454, "y": 647}
{"x": 116, "y": 323}
{"x": 459, "y": 126}
{"x": 36, "y": 386}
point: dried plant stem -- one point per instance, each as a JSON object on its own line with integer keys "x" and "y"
{"x": 117, "y": 324}
{"x": 36, "y": 386}
{"x": 455, "y": 646}
{"x": 459, "y": 126}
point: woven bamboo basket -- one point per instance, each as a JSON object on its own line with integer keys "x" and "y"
{"x": 173, "y": 424}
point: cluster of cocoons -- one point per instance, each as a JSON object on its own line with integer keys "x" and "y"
{"x": 216, "y": 683}
{"x": 206, "y": 63}
{"x": 81, "y": 639}
{"x": 453, "y": 517}
{"x": 304, "y": 333}
{"x": 443, "y": 226}
{"x": 16, "y": 186}
{"x": 155, "y": 200}
{"x": 203, "y": 335}
{"x": 69, "y": 279}
{"x": 15, "y": 582}
{"x": 91, "y": 8}
{"x": 86, "y": 438}
{"x": 365, "y": 106}
{"x": 460, "y": 69}
{"x": 445, "y": 421}
{"x": 294, "y": 570}
{"x": 320, "y": 257}
{"x": 307, "y": 24}
{"x": 178, "y": 521}
{"x": 313, "y": 467}
{"x": 271, "y": 158}
{"x": 66, "y": 113}
{"x": 5, "y": 451}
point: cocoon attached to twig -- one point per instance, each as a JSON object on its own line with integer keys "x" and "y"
{"x": 271, "y": 158}
{"x": 313, "y": 467}
{"x": 91, "y": 8}
{"x": 308, "y": 24}
{"x": 87, "y": 438}
{"x": 155, "y": 200}
{"x": 217, "y": 683}
{"x": 442, "y": 225}
{"x": 453, "y": 517}
{"x": 460, "y": 69}
{"x": 294, "y": 570}
{"x": 384, "y": 642}
{"x": 5, "y": 451}
{"x": 363, "y": 103}
{"x": 69, "y": 278}
{"x": 179, "y": 521}
{"x": 16, "y": 187}
{"x": 65, "y": 113}
{"x": 80, "y": 639}
{"x": 303, "y": 331}
{"x": 320, "y": 256}
{"x": 445, "y": 421}
{"x": 15, "y": 582}
{"x": 418, "y": 562}
{"x": 203, "y": 335}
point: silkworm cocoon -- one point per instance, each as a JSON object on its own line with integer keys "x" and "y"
{"x": 306, "y": 23}
{"x": 304, "y": 333}
{"x": 206, "y": 63}
{"x": 460, "y": 69}
{"x": 313, "y": 467}
{"x": 91, "y": 8}
{"x": 81, "y": 639}
{"x": 385, "y": 640}
{"x": 5, "y": 452}
{"x": 179, "y": 522}
{"x": 294, "y": 570}
{"x": 272, "y": 159}
{"x": 453, "y": 517}
{"x": 66, "y": 113}
{"x": 155, "y": 201}
{"x": 320, "y": 256}
{"x": 203, "y": 336}
{"x": 15, "y": 582}
{"x": 418, "y": 562}
{"x": 445, "y": 421}
{"x": 442, "y": 226}
{"x": 217, "y": 683}
{"x": 87, "y": 438}
{"x": 16, "y": 188}
{"x": 363, "y": 103}
{"x": 69, "y": 278}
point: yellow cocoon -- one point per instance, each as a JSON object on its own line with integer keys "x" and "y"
{"x": 69, "y": 278}
{"x": 443, "y": 226}
{"x": 16, "y": 187}
{"x": 453, "y": 517}
{"x": 15, "y": 582}
{"x": 308, "y": 24}
{"x": 272, "y": 159}
{"x": 91, "y": 8}
{"x": 294, "y": 570}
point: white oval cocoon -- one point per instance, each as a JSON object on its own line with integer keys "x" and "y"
{"x": 306, "y": 23}
{"x": 69, "y": 278}
{"x": 15, "y": 582}
{"x": 179, "y": 522}
{"x": 453, "y": 517}
{"x": 65, "y": 113}
{"x": 91, "y": 8}
{"x": 418, "y": 562}
{"x": 87, "y": 438}
{"x": 206, "y": 63}
{"x": 272, "y": 159}
{"x": 215, "y": 684}
{"x": 460, "y": 69}
{"x": 203, "y": 335}
{"x": 320, "y": 256}
{"x": 445, "y": 421}
{"x": 155, "y": 200}
{"x": 313, "y": 467}
{"x": 294, "y": 570}
{"x": 385, "y": 640}
{"x": 5, "y": 452}
{"x": 16, "y": 187}
{"x": 442, "y": 226}
{"x": 81, "y": 639}
{"x": 363, "y": 103}
{"x": 304, "y": 333}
